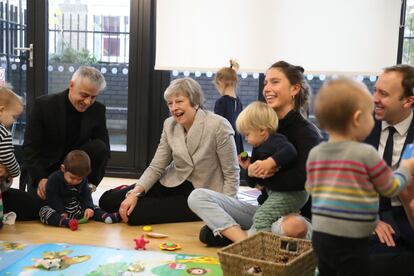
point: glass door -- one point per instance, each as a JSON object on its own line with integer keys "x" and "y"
{"x": 93, "y": 33}
{"x": 16, "y": 55}
{"x": 43, "y": 42}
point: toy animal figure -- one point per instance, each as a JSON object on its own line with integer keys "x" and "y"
{"x": 140, "y": 243}
{"x": 57, "y": 260}
{"x": 48, "y": 263}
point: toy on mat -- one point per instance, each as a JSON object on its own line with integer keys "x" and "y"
{"x": 170, "y": 246}
{"x": 244, "y": 156}
{"x": 136, "y": 267}
{"x": 408, "y": 151}
{"x": 140, "y": 243}
{"x": 156, "y": 235}
{"x": 147, "y": 228}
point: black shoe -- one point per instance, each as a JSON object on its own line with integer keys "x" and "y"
{"x": 207, "y": 237}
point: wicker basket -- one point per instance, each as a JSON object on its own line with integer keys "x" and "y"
{"x": 268, "y": 254}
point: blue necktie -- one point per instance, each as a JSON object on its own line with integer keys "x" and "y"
{"x": 385, "y": 202}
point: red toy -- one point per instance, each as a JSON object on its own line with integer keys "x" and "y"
{"x": 140, "y": 243}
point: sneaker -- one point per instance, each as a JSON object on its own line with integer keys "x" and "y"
{"x": 207, "y": 237}
{"x": 92, "y": 187}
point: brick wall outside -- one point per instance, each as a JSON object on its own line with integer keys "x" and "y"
{"x": 115, "y": 96}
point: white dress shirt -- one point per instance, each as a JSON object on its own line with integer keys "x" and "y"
{"x": 399, "y": 140}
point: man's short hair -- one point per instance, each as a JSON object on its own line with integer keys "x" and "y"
{"x": 407, "y": 82}
{"x": 337, "y": 101}
{"x": 78, "y": 163}
{"x": 92, "y": 74}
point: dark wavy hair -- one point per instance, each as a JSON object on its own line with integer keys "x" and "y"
{"x": 295, "y": 76}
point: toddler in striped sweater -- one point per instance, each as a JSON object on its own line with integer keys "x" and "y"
{"x": 11, "y": 106}
{"x": 344, "y": 178}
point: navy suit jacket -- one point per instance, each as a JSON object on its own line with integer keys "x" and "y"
{"x": 397, "y": 218}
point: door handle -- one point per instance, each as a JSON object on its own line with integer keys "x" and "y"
{"x": 30, "y": 50}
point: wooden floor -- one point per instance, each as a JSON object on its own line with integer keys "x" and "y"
{"x": 118, "y": 235}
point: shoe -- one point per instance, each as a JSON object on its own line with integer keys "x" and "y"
{"x": 207, "y": 237}
{"x": 92, "y": 187}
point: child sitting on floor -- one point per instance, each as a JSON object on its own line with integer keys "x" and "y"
{"x": 344, "y": 177}
{"x": 258, "y": 123}
{"x": 68, "y": 196}
{"x": 11, "y": 106}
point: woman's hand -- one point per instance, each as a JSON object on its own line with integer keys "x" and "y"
{"x": 262, "y": 168}
{"x": 127, "y": 206}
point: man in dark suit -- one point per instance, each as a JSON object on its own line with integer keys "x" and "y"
{"x": 59, "y": 123}
{"x": 393, "y": 241}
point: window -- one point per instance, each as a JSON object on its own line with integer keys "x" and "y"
{"x": 111, "y": 41}
{"x": 408, "y": 45}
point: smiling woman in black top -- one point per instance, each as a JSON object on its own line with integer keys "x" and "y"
{"x": 286, "y": 91}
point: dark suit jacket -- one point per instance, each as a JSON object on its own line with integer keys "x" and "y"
{"x": 44, "y": 138}
{"x": 397, "y": 217}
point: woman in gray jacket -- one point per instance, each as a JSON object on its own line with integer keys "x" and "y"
{"x": 196, "y": 150}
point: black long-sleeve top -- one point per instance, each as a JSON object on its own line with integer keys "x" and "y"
{"x": 304, "y": 136}
{"x": 230, "y": 108}
{"x": 281, "y": 150}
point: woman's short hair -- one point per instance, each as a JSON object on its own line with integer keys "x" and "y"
{"x": 78, "y": 163}
{"x": 92, "y": 74}
{"x": 257, "y": 115}
{"x": 186, "y": 87}
{"x": 337, "y": 101}
{"x": 295, "y": 76}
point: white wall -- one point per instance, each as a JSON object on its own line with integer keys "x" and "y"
{"x": 324, "y": 36}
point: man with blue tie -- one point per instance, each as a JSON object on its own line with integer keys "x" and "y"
{"x": 393, "y": 241}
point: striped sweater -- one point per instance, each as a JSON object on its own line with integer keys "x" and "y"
{"x": 344, "y": 179}
{"x": 7, "y": 157}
